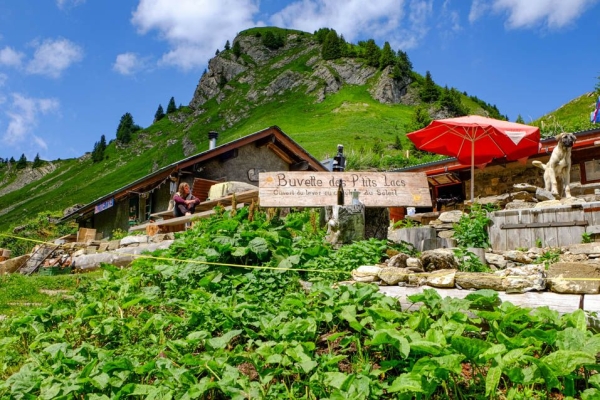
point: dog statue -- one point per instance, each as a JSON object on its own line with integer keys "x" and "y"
{"x": 559, "y": 166}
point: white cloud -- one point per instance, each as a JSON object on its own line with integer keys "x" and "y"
{"x": 23, "y": 114}
{"x": 10, "y": 57}
{"x": 3, "y": 79}
{"x": 52, "y": 57}
{"x": 401, "y": 22}
{"x": 128, "y": 64}
{"x": 531, "y": 13}
{"x": 63, "y": 4}
{"x": 194, "y": 29}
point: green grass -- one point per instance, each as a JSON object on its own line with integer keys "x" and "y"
{"x": 19, "y": 293}
{"x": 571, "y": 117}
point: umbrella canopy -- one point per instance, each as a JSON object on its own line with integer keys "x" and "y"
{"x": 477, "y": 140}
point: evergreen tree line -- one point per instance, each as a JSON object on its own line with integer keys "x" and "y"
{"x": 334, "y": 47}
{"x": 22, "y": 162}
{"x": 126, "y": 128}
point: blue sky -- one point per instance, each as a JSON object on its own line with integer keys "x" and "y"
{"x": 69, "y": 69}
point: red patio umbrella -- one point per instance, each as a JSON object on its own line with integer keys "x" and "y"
{"x": 475, "y": 140}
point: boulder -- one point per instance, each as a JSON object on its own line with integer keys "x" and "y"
{"x": 480, "y": 280}
{"x": 433, "y": 260}
{"x": 451, "y": 216}
{"x": 496, "y": 260}
{"x": 366, "y": 273}
{"x": 443, "y": 278}
{"x": 559, "y": 273}
{"x": 398, "y": 261}
{"x": 392, "y": 276}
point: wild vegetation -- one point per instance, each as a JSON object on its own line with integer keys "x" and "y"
{"x": 224, "y": 314}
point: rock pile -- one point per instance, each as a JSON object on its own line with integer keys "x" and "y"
{"x": 575, "y": 270}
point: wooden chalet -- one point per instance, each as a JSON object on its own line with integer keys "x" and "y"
{"x": 240, "y": 160}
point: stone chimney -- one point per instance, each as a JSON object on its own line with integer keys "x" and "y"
{"x": 212, "y": 139}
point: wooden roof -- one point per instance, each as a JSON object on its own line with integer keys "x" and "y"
{"x": 273, "y": 137}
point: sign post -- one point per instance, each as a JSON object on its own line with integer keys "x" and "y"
{"x": 316, "y": 189}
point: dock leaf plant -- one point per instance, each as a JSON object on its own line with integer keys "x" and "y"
{"x": 201, "y": 320}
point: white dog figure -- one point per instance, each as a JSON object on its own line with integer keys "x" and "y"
{"x": 559, "y": 166}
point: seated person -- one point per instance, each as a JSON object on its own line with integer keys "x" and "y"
{"x": 185, "y": 201}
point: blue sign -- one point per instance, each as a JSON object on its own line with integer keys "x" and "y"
{"x": 104, "y": 205}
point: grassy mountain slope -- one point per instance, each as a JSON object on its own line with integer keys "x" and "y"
{"x": 251, "y": 99}
{"x": 573, "y": 116}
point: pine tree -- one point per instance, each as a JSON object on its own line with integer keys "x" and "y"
{"x": 403, "y": 67}
{"x": 171, "y": 108}
{"x": 429, "y": 92}
{"x": 98, "y": 152}
{"x": 372, "y": 53}
{"x": 420, "y": 119}
{"x": 451, "y": 101}
{"x": 22, "y": 163}
{"x": 37, "y": 162}
{"x": 126, "y": 128}
{"x": 237, "y": 48}
{"x": 159, "y": 114}
{"x": 331, "y": 49}
{"x": 388, "y": 57}
{"x": 227, "y": 45}
{"x": 12, "y": 160}
{"x": 520, "y": 120}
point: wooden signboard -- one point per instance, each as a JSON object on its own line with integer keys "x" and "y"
{"x": 316, "y": 189}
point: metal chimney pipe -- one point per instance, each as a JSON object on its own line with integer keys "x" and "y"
{"x": 212, "y": 139}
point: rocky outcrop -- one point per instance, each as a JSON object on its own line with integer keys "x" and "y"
{"x": 27, "y": 176}
{"x": 318, "y": 78}
{"x": 388, "y": 90}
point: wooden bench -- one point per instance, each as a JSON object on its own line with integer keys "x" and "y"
{"x": 177, "y": 224}
{"x": 241, "y": 197}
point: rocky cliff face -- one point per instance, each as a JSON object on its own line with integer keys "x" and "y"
{"x": 296, "y": 66}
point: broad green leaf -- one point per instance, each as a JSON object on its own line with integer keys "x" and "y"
{"x": 259, "y": 246}
{"x": 492, "y": 380}
{"x": 595, "y": 380}
{"x": 470, "y": 347}
{"x": 425, "y": 346}
{"x": 118, "y": 364}
{"x": 348, "y": 313}
{"x": 335, "y": 379}
{"x": 563, "y": 362}
{"x": 393, "y": 338}
{"x": 493, "y": 351}
{"x": 240, "y": 251}
{"x": 210, "y": 252}
{"x": 308, "y": 365}
{"x": 407, "y": 382}
{"x": 222, "y": 341}
{"x": 546, "y": 372}
{"x": 571, "y": 339}
{"x": 590, "y": 394}
{"x": 100, "y": 381}
{"x": 577, "y": 320}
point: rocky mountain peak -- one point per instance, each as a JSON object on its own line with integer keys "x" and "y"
{"x": 297, "y": 65}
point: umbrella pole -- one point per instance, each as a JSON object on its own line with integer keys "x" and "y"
{"x": 472, "y": 170}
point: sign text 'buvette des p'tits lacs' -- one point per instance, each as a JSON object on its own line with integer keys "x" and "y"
{"x": 376, "y": 189}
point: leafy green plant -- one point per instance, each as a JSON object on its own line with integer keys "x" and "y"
{"x": 538, "y": 243}
{"x": 469, "y": 262}
{"x": 405, "y": 223}
{"x": 471, "y": 228}
{"x": 549, "y": 257}
{"x": 586, "y": 237}
{"x": 118, "y": 234}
